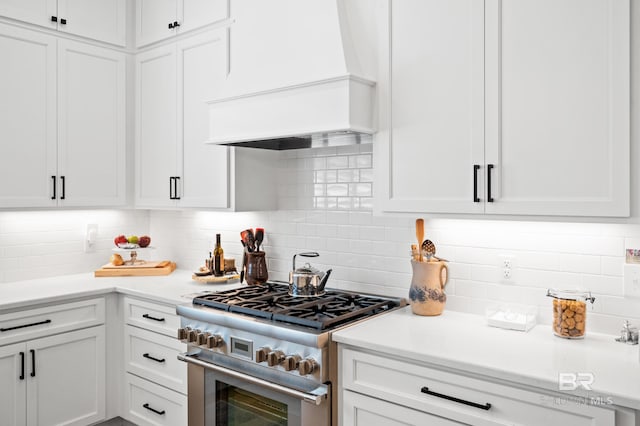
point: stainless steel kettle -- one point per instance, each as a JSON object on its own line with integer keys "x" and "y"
{"x": 307, "y": 281}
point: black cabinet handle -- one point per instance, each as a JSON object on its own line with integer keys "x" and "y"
{"x": 154, "y": 359}
{"x": 489, "y": 197}
{"x": 54, "y": 19}
{"x": 21, "y": 365}
{"x": 475, "y": 183}
{"x": 25, "y": 325}
{"x": 171, "y": 197}
{"x": 170, "y": 25}
{"x": 33, "y": 362}
{"x": 54, "y": 187}
{"x": 147, "y": 316}
{"x": 176, "y": 24}
{"x": 454, "y": 399}
{"x": 63, "y": 187}
{"x": 175, "y": 188}
{"x": 154, "y": 410}
{"x": 63, "y": 21}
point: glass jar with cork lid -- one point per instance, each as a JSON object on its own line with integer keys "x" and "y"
{"x": 570, "y": 312}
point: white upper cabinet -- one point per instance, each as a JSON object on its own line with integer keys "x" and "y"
{"x": 558, "y": 106}
{"x": 156, "y": 112}
{"x": 102, "y": 20}
{"x": 27, "y": 118}
{"x": 91, "y": 125}
{"x": 174, "y": 166}
{"x": 431, "y": 129}
{"x": 63, "y": 117}
{"x": 160, "y": 19}
{"x": 514, "y": 107}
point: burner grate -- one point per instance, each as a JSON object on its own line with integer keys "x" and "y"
{"x": 272, "y": 302}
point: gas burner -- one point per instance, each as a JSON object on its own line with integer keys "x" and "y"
{"x": 272, "y": 302}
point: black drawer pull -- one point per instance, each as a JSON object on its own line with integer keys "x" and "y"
{"x": 154, "y": 359}
{"x": 25, "y": 325}
{"x": 147, "y": 316}
{"x": 175, "y": 188}
{"x": 21, "y": 365}
{"x": 53, "y": 178}
{"x": 54, "y": 19}
{"x": 33, "y": 362}
{"x": 171, "y": 196}
{"x": 154, "y": 410}
{"x": 63, "y": 188}
{"x": 176, "y": 24}
{"x": 63, "y": 21}
{"x": 170, "y": 25}
{"x": 475, "y": 183}
{"x": 454, "y": 399}
{"x": 489, "y": 197}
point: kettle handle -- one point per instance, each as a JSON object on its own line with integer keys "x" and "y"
{"x": 305, "y": 254}
{"x": 445, "y": 269}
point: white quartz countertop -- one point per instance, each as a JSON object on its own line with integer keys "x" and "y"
{"x": 170, "y": 289}
{"x": 536, "y": 358}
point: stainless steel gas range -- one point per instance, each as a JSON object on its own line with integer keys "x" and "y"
{"x": 258, "y": 356}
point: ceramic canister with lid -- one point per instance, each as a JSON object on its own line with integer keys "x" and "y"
{"x": 570, "y": 312}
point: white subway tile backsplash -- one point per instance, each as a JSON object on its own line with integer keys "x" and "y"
{"x": 360, "y": 189}
{"x": 612, "y": 265}
{"x": 338, "y": 162}
{"x": 337, "y": 190}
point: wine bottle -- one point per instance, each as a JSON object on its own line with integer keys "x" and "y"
{"x": 218, "y": 258}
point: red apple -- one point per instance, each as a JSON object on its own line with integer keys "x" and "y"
{"x": 120, "y": 239}
{"x": 144, "y": 241}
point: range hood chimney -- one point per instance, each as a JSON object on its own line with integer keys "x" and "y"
{"x": 305, "y": 88}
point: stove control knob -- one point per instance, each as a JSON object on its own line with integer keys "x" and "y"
{"x": 193, "y": 335}
{"x": 202, "y": 338}
{"x": 291, "y": 362}
{"x": 182, "y": 333}
{"x": 307, "y": 366}
{"x": 214, "y": 341}
{"x": 274, "y": 358}
{"x": 262, "y": 353}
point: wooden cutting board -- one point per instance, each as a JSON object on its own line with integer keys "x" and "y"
{"x": 145, "y": 264}
{"x": 212, "y": 279}
{"x": 161, "y": 268}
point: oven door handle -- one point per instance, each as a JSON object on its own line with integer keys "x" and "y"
{"x": 316, "y": 396}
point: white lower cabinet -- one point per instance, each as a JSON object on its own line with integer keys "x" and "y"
{"x": 360, "y": 410}
{"x": 382, "y": 390}
{"x": 150, "y": 404}
{"x": 155, "y": 380}
{"x": 56, "y": 380}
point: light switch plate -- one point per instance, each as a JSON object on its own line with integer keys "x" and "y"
{"x": 90, "y": 238}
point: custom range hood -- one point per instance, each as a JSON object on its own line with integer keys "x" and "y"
{"x": 295, "y": 79}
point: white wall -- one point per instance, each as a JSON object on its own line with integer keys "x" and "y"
{"x": 326, "y": 201}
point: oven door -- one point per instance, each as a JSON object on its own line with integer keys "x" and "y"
{"x": 223, "y": 397}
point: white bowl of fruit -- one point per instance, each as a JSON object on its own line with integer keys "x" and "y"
{"x": 132, "y": 242}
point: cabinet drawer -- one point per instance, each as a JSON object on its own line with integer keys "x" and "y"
{"x": 446, "y": 394}
{"x": 151, "y": 316}
{"x": 151, "y": 404}
{"x": 155, "y": 357}
{"x": 360, "y": 410}
{"x": 32, "y": 323}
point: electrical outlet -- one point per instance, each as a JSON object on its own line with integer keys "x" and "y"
{"x": 632, "y": 280}
{"x": 506, "y": 266}
{"x": 90, "y": 238}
